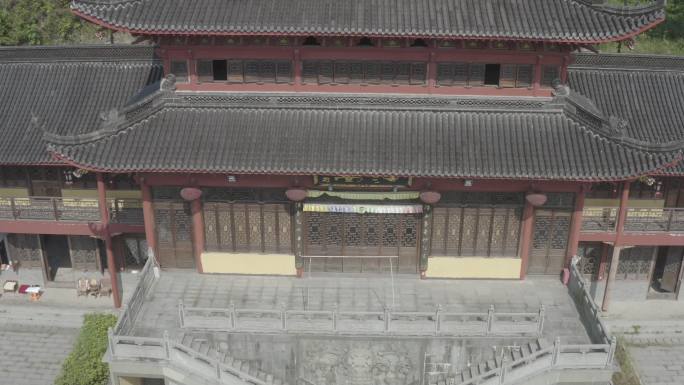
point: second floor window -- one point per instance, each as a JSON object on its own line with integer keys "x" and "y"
{"x": 244, "y": 71}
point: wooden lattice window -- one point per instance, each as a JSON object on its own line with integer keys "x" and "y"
{"x": 25, "y": 248}
{"x": 180, "y": 69}
{"x": 84, "y": 253}
{"x": 590, "y": 258}
{"x": 488, "y": 231}
{"x": 550, "y": 74}
{"x": 635, "y": 263}
{"x": 12, "y": 177}
{"x": 248, "y": 227}
{"x": 245, "y": 71}
{"x": 363, "y": 72}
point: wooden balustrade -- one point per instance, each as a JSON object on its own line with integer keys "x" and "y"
{"x": 125, "y": 211}
{"x": 642, "y": 220}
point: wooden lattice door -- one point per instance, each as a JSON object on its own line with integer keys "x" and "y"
{"x": 173, "y": 225}
{"x": 549, "y": 241}
{"x": 361, "y": 243}
{"x": 671, "y": 271}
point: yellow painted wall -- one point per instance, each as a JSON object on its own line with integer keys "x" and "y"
{"x": 124, "y": 194}
{"x": 245, "y": 263}
{"x": 473, "y": 267}
{"x": 79, "y": 193}
{"x": 637, "y": 203}
{"x": 130, "y": 381}
{"x": 16, "y": 192}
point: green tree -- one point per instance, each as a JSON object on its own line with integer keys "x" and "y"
{"x": 24, "y": 22}
{"x": 84, "y": 365}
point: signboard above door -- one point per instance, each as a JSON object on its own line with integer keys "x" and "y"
{"x": 361, "y": 181}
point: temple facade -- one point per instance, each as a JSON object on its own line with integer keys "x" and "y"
{"x": 438, "y": 139}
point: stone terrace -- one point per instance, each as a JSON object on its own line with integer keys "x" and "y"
{"x": 370, "y": 293}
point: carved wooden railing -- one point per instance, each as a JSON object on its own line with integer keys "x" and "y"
{"x": 599, "y": 219}
{"x": 386, "y": 322}
{"x": 130, "y": 311}
{"x": 126, "y": 211}
{"x": 669, "y": 220}
{"x": 658, "y": 220}
{"x": 50, "y": 209}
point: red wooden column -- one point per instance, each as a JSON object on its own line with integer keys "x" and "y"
{"x": 576, "y": 226}
{"x": 111, "y": 262}
{"x": 526, "y": 237}
{"x": 197, "y": 232}
{"x": 617, "y": 246}
{"x": 148, "y": 217}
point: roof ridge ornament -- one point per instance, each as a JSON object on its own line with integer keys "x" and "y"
{"x": 168, "y": 83}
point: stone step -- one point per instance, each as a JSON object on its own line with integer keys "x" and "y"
{"x": 205, "y": 347}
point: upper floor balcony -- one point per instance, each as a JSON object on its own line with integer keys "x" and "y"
{"x": 638, "y": 220}
{"x": 122, "y": 211}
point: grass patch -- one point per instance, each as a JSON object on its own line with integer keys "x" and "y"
{"x": 627, "y": 374}
{"x": 84, "y": 364}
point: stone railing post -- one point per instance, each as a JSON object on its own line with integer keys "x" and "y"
{"x": 556, "y": 352}
{"x": 167, "y": 351}
{"x": 334, "y": 318}
{"x": 490, "y": 320}
{"x": 110, "y": 338}
{"x": 611, "y": 352}
{"x": 233, "y": 316}
{"x": 540, "y": 321}
{"x": 283, "y": 317}
{"x": 502, "y": 371}
{"x": 438, "y": 319}
{"x": 181, "y": 313}
{"x": 388, "y": 322}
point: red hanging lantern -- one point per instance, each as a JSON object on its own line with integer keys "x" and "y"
{"x": 430, "y": 197}
{"x": 536, "y": 199}
{"x": 296, "y": 194}
{"x": 190, "y": 193}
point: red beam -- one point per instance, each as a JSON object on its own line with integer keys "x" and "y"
{"x": 306, "y": 181}
{"x": 46, "y": 227}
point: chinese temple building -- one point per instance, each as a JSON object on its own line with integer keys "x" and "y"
{"x": 461, "y": 139}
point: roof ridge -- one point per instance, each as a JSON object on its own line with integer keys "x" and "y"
{"x": 64, "y": 53}
{"x": 627, "y": 61}
{"x": 587, "y": 22}
{"x": 625, "y": 10}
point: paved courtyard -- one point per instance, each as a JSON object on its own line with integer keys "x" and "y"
{"x": 359, "y": 294}
{"x": 36, "y": 337}
{"x": 659, "y": 365}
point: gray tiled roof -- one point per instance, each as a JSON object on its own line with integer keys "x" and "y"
{"x": 553, "y": 20}
{"x": 647, "y": 91}
{"x": 63, "y": 90}
{"x": 347, "y": 134}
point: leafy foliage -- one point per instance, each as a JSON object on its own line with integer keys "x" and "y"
{"x": 84, "y": 365}
{"x": 33, "y": 22}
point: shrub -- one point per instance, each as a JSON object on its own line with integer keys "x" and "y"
{"x": 84, "y": 364}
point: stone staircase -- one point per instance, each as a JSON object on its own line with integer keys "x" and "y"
{"x": 487, "y": 371}
{"x": 203, "y": 344}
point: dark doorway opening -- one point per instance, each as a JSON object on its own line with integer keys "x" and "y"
{"x": 492, "y": 74}
{"x": 58, "y": 258}
{"x": 666, "y": 273}
{"x": 4, "y": 259}
{"x": 220, "y": 69}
